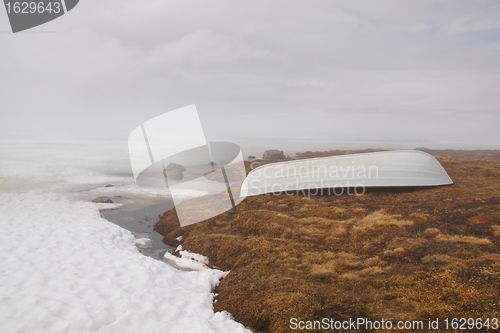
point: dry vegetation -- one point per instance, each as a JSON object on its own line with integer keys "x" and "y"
{"x": 402, "y": 254}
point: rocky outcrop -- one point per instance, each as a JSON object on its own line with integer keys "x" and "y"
{"x": 273, "y": 154}
{"x": 175, "y": 171}
{"x": 102, "y": 200}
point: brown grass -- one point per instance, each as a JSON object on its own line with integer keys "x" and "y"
{"x": 392, "y": 254}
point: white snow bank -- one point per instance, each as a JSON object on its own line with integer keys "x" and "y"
{"x": 65, "y": 269}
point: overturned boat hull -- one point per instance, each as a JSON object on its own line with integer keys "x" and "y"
{"x": 404, "y": 168}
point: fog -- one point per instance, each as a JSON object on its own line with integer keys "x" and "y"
{"x": 393, "y": 73}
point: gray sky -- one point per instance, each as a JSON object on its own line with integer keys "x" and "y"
{"x": 395, "y": 71}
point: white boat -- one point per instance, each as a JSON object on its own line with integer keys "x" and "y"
{"x": 403, "y": 168}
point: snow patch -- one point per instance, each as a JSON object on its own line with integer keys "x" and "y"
{"x": 143, "y": 243}
{"x": 184, "y": 263}
{"x": 107, "y": 206}
{"x": 194, "y": 256}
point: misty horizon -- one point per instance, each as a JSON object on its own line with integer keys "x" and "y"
{"x": 340, "y": 74}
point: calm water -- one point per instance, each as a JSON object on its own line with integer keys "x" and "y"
{"x": 140, "y": 221}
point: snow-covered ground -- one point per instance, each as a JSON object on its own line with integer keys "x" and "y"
{"x": 66, "y": 269}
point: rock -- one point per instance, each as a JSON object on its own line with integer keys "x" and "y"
{"x": 109, "y": 185}
{"x": 273, "y": 154}
{"x": 175, "y": 166}
{"x": 175, "y": 171}
{"x": 251, "y": 157}
{"x": 102, "y": 200}
{"x": 175, "y": 174}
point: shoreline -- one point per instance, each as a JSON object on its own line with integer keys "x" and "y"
{"x": 140, "y": 221}
{"x": 293, "y": 256}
